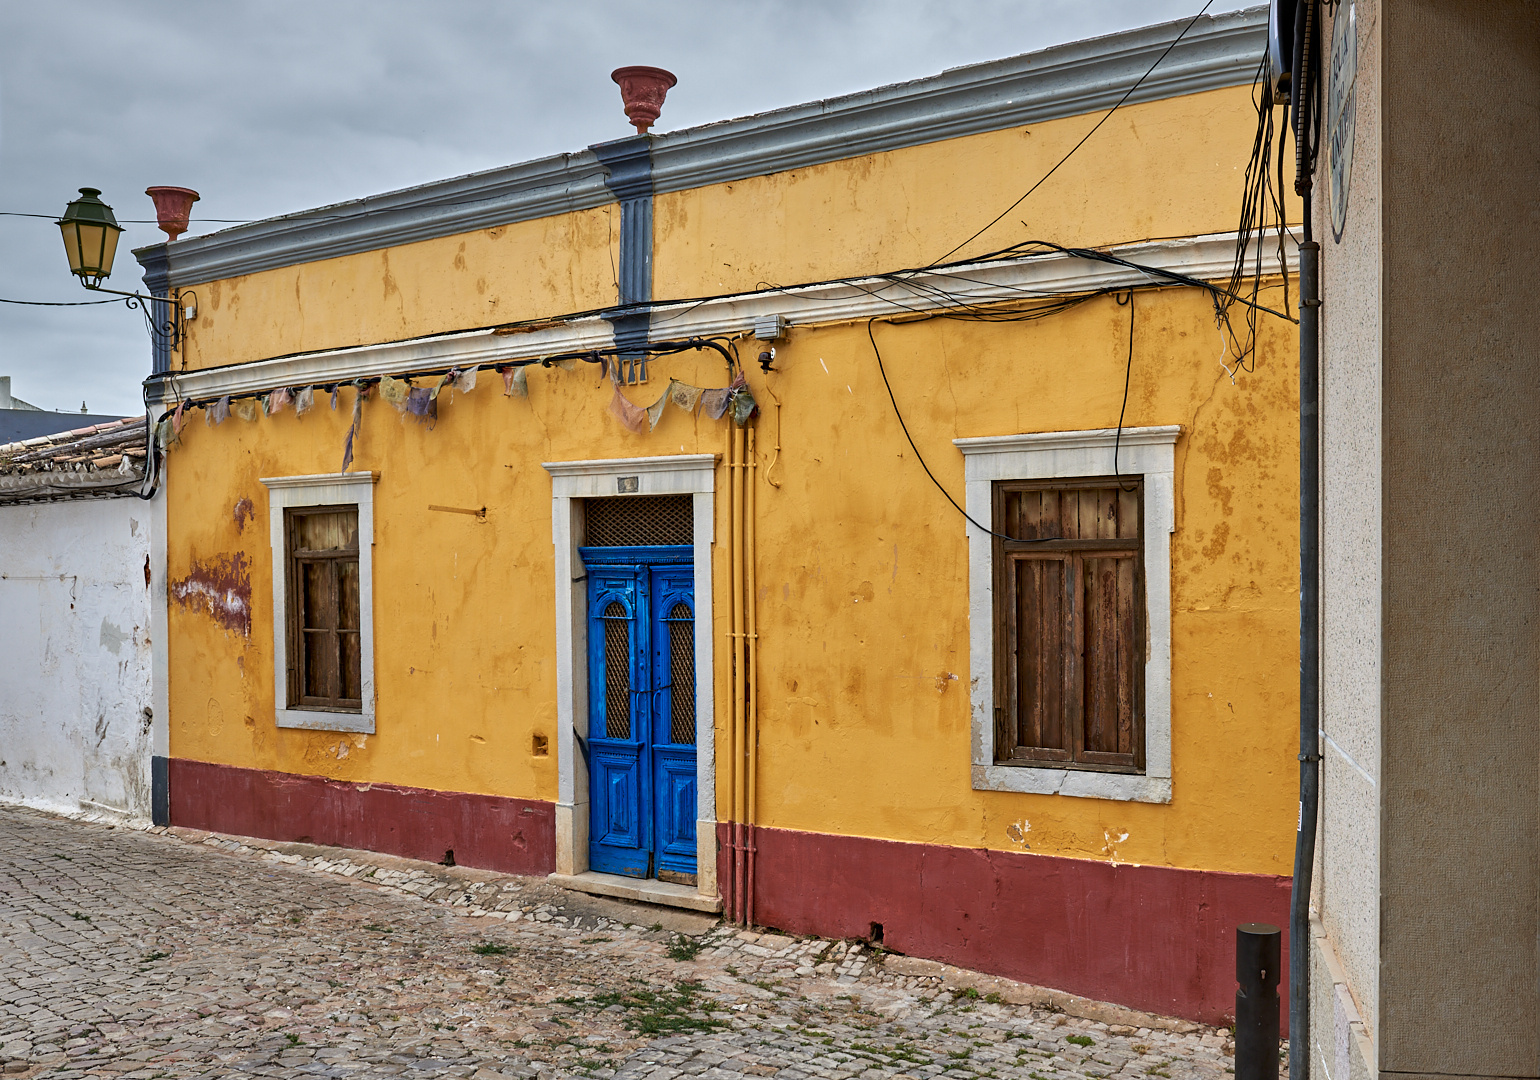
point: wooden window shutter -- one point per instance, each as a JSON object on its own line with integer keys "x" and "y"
{"x": 1069, "y": 634}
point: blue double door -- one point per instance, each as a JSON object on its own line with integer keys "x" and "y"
{"x": 641, "y": 711}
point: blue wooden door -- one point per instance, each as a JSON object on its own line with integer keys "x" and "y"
{"x": 672, "y": 596}
{"x": 641, "y": 710}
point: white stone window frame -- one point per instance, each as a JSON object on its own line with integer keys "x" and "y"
{"x": 571, "y": 482}
{"x": 1149, "y": 452}
{"x": 324, "y": 489}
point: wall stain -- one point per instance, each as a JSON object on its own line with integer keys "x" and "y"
{"x": 222, "y": 587}
{"x": 243, "y": 513}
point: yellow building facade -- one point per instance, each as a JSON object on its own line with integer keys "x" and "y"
{"x": 643, "y": 568}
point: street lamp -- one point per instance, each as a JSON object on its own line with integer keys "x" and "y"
{"x": 90, "y": 237}
{"x": 91, "y": 241}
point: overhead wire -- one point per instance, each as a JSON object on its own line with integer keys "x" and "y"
{"x": 1043, "y": 179}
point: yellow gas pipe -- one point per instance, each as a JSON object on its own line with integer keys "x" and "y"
{"x": 735, "y": 593}
{"x": 751, "y": 704}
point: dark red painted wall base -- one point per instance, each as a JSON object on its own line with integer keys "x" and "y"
{"x": 515, "y": 836}
{"x": 1148, "y": 937}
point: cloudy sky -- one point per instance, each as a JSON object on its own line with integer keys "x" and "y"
{"x": 271, "y": 106}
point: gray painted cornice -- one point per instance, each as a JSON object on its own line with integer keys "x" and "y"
{"x": 1067, "y": 80}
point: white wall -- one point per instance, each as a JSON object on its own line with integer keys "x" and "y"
{"x": 75, "y": 655}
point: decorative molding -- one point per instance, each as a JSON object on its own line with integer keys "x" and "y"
{"x": 1146, "y": 451}
{"x": 559, "y": 184}
{"x": 691, "y": 474}
{"x": 1207, "y": 257}
{"x": 1068, "y": 80}
{"x": 320, "y": 490}
{"x": 1096, "y": 438}
{"x": 318, "y": 480}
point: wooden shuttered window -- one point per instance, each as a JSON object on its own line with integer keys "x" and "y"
{"x": 1069, "y": 623}
{"x": 323, "y": 612}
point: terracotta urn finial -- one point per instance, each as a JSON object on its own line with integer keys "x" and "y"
{"x": 643, "y": 90}
{"x": 173, "y": 206}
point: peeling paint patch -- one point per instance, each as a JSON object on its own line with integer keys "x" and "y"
{"x": 1110, "y": 845}
{"x": 243, "y": 513}
{"x": 112, "y": 637}
{"x": 1016, "y": 833}
{"x": 222, "y": 587}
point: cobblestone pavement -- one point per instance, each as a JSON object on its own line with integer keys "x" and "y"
{"x": 132, "y": 952}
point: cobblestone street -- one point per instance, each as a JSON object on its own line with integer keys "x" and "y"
{"x": 153, "y": 953}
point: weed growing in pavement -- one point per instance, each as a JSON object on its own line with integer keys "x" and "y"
{"x": 595, "y": 940}
{"x": 1080, "y": 1040}
{"x": 378, "y": 929}
{"x": 79, "y": 917}
{"x": 683, "y": 948}
{"x": 334, "y": 983}
{"x": 731, "y": 970}
{"x": 1037, "y": 1076}
{"x": 661, "y": 1012}
{"x": 66, "y": 858}
{"x": 293, "y": 1039}
{"x": 152, "y": 957}
{"x": 967, "y": 992}
{"x": 994, "y": 998}
{"x": 961, "y": 1055}
{"x": 491, "y": 948}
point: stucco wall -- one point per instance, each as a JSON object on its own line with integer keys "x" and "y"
{"x": 1460, "y": 857}
{"x": 75, "y": 655}
{"x": 1351, "y": 349}
{"x": 862, "y": 572}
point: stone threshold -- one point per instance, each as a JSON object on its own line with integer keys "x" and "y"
{"x": 645, "y": 890}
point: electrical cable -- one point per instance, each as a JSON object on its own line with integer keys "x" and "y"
{"x": 138, "y": 221}
{"x": 921, "y": 458}
{"x": 57, "y": 303}
{"x": 1128, "y": 93}
{"x": 1128, "y": 375}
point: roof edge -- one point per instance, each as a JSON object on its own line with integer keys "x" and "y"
{"x": 1054, "y": 83}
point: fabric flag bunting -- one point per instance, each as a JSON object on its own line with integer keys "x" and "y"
{"x": 278, "y": 400}
{"x": 655, "y": 411}
{"x": 421, "y": 403}
{"x": 218, "y": 412}
{"x": 684, "y": 395}
{"x": 465, "y": 382}
{"x": 714, "y": 402}
{"x": 179, "y": 418}
{"x": 164, "y": 436}
{"x": 516, "y": 380}
{"x": 246, "y": 409}
{"x": 394, "y": 392}
{"x": 634, "y": 417}
{"x": 358, "y": 416}
{"x": 334, "y": 399}
{"x": 304, "y": 401}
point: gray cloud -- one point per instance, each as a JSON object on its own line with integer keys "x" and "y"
{"x": 274, "y": 106}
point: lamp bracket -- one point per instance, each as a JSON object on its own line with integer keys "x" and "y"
{"x": 171, "y": 328}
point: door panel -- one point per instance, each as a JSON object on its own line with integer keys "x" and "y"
{"x": 620, "y": 783}
{"x": 641, "y": 710}
{"x": 672, "y": 598}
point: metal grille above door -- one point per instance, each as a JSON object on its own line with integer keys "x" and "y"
{"x": 625, "y": 521}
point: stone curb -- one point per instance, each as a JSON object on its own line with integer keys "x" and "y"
{"x": 1019, "y": 993}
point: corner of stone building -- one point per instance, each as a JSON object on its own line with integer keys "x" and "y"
{"x": 1340, "y": 1045}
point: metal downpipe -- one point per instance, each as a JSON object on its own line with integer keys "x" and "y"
{"x": 1309, "y": 657}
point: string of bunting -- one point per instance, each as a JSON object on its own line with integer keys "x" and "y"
{"x": 422, "y": 402}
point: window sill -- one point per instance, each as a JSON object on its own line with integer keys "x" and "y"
{"x": 326, "y": 720}
{"x": 1075, "y": 783}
